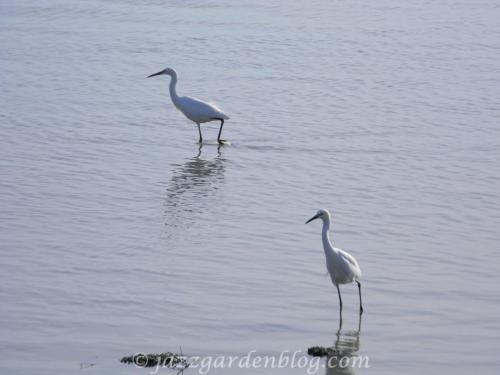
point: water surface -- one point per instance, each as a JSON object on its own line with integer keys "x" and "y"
{"x": 119, "y": 235}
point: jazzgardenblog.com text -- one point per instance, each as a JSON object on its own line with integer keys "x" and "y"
{"x": 252, "y": 360}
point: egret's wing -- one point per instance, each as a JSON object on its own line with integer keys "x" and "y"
{"x": 348, "y": 265}
{"x": 199, "y": 109}
{"x": 219, "y": 111}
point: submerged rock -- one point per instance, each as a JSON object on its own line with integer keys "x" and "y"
{"x": 320, "y": 351}
{"x": 167, "y": 359}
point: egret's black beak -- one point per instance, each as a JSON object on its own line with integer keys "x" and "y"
{"x": 313, "y": 218}
{"x": 155, "y": 74}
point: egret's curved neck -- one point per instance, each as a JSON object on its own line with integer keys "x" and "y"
{"x": 173, "y": 92}
{"x": 327, "y": 246}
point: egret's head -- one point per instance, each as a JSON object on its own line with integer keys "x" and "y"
{"x": 167, "y": 71}
{"x": 321, "y": 214}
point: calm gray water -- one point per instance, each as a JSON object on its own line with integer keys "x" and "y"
{"x": 119, "y": 235}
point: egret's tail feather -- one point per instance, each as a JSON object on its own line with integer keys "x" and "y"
{"x": 221, "y": 116}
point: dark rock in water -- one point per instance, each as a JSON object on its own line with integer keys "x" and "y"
{"x": 320, "y": 351}
{"x": 167, "y": 359}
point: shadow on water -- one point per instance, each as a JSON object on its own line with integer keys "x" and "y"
{"x": 342, "y": 357}
{"x": 193, "y": 184}
{"x": 347, "y": 344}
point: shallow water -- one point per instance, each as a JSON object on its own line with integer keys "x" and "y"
{"x": 119, "y": 235}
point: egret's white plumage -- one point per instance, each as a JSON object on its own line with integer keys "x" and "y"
{"x": 194, "y": 109}
{"x": 341, "y": 265}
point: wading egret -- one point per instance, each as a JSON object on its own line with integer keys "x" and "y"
{"x": 194, "y": 109}
{"x": 342, "y": 266}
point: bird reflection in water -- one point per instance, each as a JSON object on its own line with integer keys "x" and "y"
{"x": 346, "y": 346}
{"x": 192, "y": 188}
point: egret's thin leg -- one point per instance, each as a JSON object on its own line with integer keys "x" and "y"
{"x": 199, "y": 131}
{"x": 340, "y": 298}
{"x": 220, "y": 131}
{"x": 360, "y": 303}
{"x": 336, "y": 345}
{"x": 340, "y": 328}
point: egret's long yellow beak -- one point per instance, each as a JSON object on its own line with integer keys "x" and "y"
{"x": 155, "y": 74}
{"x": 313, "y": 218}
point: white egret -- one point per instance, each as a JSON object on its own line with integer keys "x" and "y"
{"x": 342, "y": 266}
{"x": 194, "y": 109}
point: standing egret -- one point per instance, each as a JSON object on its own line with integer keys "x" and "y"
{"x": 194, "y": 109}
{"x": 342, "y": 266}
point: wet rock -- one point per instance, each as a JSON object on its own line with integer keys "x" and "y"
{"x": 167, "y": 359}
{"x": 320, "y": 351}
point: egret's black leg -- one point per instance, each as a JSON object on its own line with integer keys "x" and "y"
{"x": 340, "y": 298}
{"x": 221, "y": 141}
{"x": 360, "y": 302}
{"x": 199, "y": 131}
{"x": 340, "y": 328}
